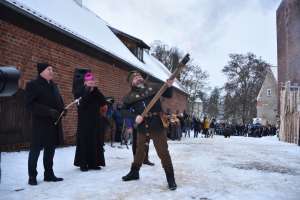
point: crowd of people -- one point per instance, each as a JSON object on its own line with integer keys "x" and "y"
{"x": 180, "y": 125}
{"x": 248, "y": 130}
{"x": 177, "y": 125}
{"x": 183, "y": 125}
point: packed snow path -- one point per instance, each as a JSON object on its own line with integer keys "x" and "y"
{"x": 219, "y": 168}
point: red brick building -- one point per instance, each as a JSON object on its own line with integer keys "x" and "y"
{"x": 288, "y": 52}
{"x": 67, "y": 36}
{"x": 288, "y": 41}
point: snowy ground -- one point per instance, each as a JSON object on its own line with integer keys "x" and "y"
{"x": 236, "y": 168}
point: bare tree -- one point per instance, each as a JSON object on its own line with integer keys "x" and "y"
{"x": 213, "y": 103}
{"x": 169, "y": 56}
{"x": 193, "y": 78}
{"x": 245, "y": 75}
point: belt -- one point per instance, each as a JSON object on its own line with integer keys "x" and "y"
{"x": 150, "y": 114}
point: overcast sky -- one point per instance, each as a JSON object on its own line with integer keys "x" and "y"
{"x": 207, "y": 29}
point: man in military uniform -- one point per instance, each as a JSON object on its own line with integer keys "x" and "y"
{"x": 134, "y": 104}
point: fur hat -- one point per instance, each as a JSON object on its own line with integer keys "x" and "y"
{"x": 132, "y": 74}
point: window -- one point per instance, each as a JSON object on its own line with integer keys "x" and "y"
{"x": 268, "y": 92}
{"x": 140, "y": 53}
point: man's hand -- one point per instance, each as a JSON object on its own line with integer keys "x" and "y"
{"x": 65, "y": 111}
{"x": 170, "y": 82}
{"x": 54, "y": 114}
{"x": 90, "y": 84}
{"x": 139, "y": 119}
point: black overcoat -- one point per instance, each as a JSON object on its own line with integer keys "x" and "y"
{"x": 40, "y": 97}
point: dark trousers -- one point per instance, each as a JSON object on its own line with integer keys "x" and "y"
{"x": 47, "y": 160}
{"x": 205, "y": 132}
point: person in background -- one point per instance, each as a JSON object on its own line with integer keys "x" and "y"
{"x": 197, "y": 126}
{"x": 111, "y": 120}
{"x": 205, "y": 127}
{"x": 212, "y": 127}
{"x": 188, "y": 126}
{"x": 119, "y": 122}
{"x": 128, "y": 126}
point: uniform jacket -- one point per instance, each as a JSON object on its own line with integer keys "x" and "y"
{"x": 136, "y": 101}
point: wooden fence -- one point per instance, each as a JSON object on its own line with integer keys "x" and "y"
{"x": 290, "y": 114}
{"x": 15, "y": 123}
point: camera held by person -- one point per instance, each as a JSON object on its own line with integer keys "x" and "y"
{"x": 9, "y": 77}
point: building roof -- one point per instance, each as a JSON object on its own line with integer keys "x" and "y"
{"x": 269, "y": 78}
{"x": 154, "y": 64}
{"x": 198, "y": 100}
{"x": 71, "y": 18}
{"x": 137, "y": 40}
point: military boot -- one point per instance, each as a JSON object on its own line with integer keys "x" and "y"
{"x": 133, "y": 174}
{"x": 171, "y": 180}
{"x": 147, "y": 162}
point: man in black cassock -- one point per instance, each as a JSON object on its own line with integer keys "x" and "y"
{"x": 89, "y": 144}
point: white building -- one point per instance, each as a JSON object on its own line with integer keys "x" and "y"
{"x": 197, "y": 107}
{"x": 267, "y": 100}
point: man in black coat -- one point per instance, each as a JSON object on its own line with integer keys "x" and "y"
{"x": 43, "y": 99}
{"x": 133, "y": 105}
{"x": 90, "y": 132}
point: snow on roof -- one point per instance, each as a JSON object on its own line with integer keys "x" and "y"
{"x": 67, "y": 15}
{"x": 198, "y": 100}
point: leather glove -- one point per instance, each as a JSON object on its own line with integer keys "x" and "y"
{"x": 65, "y": 111}
{"x": 54, "y": 114}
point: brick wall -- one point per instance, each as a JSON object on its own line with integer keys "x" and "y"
{"x": 177, "y": 102}
{"x": 23, "y": 49}
{"x": 288, "y": 37}
{"x": 281, "y": 45}
{"x": 288, "y": 43}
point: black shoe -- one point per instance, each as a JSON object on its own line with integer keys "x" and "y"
{"x": 52, "y": 178}
{"x": 171, "y": 181}
{"x": 83, "y": 169}
{"x": 172, "y": 186}
{"x": 95, "y": 168}
{"x": 132, "y": 175}
{"x": 147, "y": 162}
{"x": 32, "y": 181}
